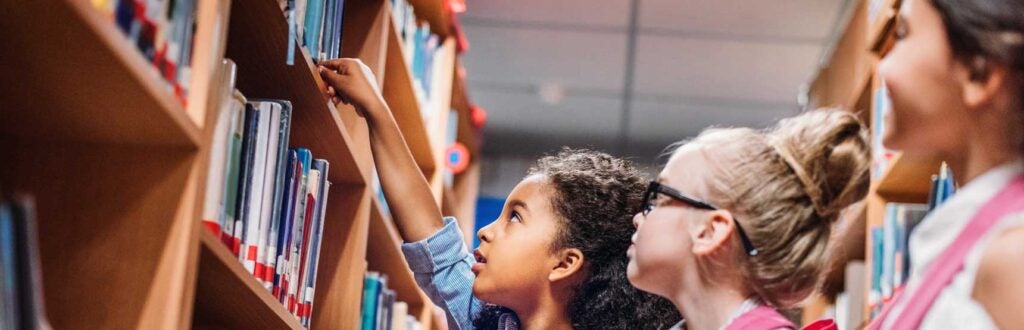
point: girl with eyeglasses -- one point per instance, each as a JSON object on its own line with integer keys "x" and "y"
{"x": 738, "y": 221}
{"x": 956, "y": 79}
{"x": 554, "y": 259}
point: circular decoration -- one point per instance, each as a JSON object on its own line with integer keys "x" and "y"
{"x": 457, "y": 158}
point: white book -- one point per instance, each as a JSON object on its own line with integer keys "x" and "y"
{"x": 267, "y": 202}
{"x": 213, "y": 207}
{"x": 250, "y": 242}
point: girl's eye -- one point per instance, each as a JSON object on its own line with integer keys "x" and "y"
{"x": 901, "y": 31}
{"x": 514, "y": 217}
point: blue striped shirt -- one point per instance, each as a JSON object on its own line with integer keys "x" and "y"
{"x": 442, "y": 266}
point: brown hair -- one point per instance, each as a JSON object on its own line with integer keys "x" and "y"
{"x": 786, "y": 186}
{"x": 982, "y": 33}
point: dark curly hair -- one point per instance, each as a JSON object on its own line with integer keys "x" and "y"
{"x": 596, "y": 197}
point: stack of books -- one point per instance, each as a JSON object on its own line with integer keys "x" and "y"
{"x": 266, "y": 201}
{"x": 316, "y": 25}
{"x": 163, "y": 31}
{"x": 891, "y": 266}
{"x": 380, "y": 310}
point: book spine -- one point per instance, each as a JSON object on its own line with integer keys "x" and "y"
{"x": 246, "y": 166}
{"x": 255, "y": 207}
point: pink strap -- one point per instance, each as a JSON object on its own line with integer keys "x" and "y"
{"x": 760, "y": 318}
{"x": 1009, "y": 200}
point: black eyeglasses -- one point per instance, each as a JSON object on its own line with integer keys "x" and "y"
{"x": 656, "y": 188}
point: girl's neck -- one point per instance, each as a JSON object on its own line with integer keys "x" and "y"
{"x": 547, "y": 313}
{"x": 986, "y": 149}
{"x": 709, "y": 307}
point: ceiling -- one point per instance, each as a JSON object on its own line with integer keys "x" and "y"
{"x": 632, "y": 76}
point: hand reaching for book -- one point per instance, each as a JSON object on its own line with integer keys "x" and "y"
{"x": 354, "y": 83}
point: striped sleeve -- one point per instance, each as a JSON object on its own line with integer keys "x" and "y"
{"x": 442, "y": 267}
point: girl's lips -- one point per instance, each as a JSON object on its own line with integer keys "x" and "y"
{"x": 480, "y": 259}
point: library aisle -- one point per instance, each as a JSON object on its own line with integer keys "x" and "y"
{"x": 172, "y": 164}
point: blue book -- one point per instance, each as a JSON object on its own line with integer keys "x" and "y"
{"x": 292, "y": 176}
{"x": 371, "y": 293}
{"x": 314, "y": 26}
{"x": 9, "y": 307}
{"x": 339, "y": 16}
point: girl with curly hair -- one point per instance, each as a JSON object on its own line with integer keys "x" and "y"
{"x": 555, "y": 259}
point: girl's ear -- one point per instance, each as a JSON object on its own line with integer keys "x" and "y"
{"x": 570, "y": 262}
{"x": 981, "y": 82}
{"x": 713, "y": 233}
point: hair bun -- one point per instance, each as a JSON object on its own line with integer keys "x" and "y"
{"x": 828, "y": 151}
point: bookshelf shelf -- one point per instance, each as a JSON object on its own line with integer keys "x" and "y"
{"x": 399, "y": 92}
{"x": 907, "y": 180}
{"x": 436, "y": 13}
{"x": 228, "y": 296}
{"x": 106, "y": 92}
{"x": 883, "y": 23}
{"x": 257, "y": 42}
{"x": 125, "y": 229}
{"x": 385, "y": 256}
{"x": 117, "y": 164}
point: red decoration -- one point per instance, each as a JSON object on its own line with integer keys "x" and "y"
{"x": 478, "y": 116}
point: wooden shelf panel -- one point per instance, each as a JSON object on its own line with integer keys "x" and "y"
{"x": 342, "y": 259}
{"x": 384, "y": 255}
{"x": 229, "y": 297}
{"x": 106, "y": 92}
{"x": 436, "y": 13}
{"x": 883, "y": 24}
{"x": 467, "y": 135}
{"x": 115, "y": 225}
{"x": 398, "y": 92}
{"x": 257, "y": 42}
{"x": 907, "y": 180}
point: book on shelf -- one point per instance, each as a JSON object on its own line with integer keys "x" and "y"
{"x": 315, "y": 25}
{"x": 162, "y": 30}
{"x": 380, "y": 308}
{"x": 266, "y": 200}
{"x": 890, "y": 256}
{"x": 21, "y": 285}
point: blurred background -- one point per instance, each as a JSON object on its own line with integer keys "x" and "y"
{"x": 630, "y": 77}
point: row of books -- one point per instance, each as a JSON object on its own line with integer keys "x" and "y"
{"x": 266, "y": 201}
{"x": 163, "y": 31}
{"x": 891, "y": 264}
{"x": 316, "y": 25}
{"x": 21, "y": 285}
{"x": 891, "y": 268}
{"x": 880, "y": 156}
{"x": 380, "y": 310}
{"x": 420, "y": 46}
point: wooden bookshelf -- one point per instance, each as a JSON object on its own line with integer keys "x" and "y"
{"x": 105, "y": 93}
{"x": 385, "y": 256}
{"x": 229, "y": 297}
{"x": 117, "y": 163}
{"x": 436, "y": 13}
{"x": 399, "y": 92}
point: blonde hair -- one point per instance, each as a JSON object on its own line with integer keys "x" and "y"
{"x": 786, "y": 186}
